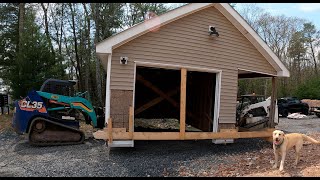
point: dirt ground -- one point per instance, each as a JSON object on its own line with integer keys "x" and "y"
{"x": 5, "y": 122}
{"x": 259, "y": 163}
{"x": 253, "y": 163}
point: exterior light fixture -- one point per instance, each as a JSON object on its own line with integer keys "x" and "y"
{"x": 212, "y": 31}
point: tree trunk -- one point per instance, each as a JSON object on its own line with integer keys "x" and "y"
{"x": 61, "y": 28}
{"x": 45, "y": 11}
{"x": 76, "y": 48}
{"x": 71, "y": 75}
{"x": 88, "y": 56}
{"x": 96, "y": 40}
{"x": 314, "y": 59}
{"x": 20, "y": 39}
{"x": 21, "y": 25}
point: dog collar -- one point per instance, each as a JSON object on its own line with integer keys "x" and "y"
{"x": 278, "y": 145}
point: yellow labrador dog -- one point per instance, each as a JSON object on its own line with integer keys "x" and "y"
{"x": 283, "y": 142}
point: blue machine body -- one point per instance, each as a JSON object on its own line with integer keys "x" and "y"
{"x": 30, "y": 107}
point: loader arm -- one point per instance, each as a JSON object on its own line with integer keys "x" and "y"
{"x": 73, "y": 102}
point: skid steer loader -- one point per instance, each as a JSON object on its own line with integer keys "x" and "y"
{"x": 51, "y": 116}
{"x": 253, "y": 112}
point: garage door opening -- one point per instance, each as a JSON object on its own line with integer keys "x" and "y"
{"x": 200, "y": 100}
{"x": 157, "y": 100}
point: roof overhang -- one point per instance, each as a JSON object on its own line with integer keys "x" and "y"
{"x": 106, "y": 46}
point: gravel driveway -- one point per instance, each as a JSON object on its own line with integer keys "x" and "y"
{"x": 147, "y": 158}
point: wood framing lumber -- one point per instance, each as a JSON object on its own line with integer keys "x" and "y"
{"x": 183, "y": 93}
{"x": 110, "y": 130}
{"x": 131, "y": 126}
{"x": 155, "y": 101}
{"x": 161, "y": 93}
{"x": 156, "y": 90}
{"x": 116, "y": 135}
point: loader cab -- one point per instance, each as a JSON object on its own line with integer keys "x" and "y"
{"x": 246, "y": 100}
{"x": 56, "y": 86}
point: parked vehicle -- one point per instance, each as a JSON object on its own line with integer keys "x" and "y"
{"x": 52, "y": 115}
{"x": 253, "y": 112}
{"x": 288, "y": 105}
{"x": 314, "y": 106}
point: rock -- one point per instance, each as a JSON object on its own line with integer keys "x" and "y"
{"x": 258, "y": 167}
{"x": 271, "y": 161}
{"x": 2, "y": 164}
{"x": 249, "y": 164}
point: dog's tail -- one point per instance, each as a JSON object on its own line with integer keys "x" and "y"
{"x": 310, "y": 139}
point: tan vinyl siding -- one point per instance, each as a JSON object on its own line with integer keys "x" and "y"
{"x": 186, "y": 42}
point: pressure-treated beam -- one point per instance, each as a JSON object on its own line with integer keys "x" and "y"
{"x": 131, "y": 126}
{"x": 110, "y": 130}
{"x": 183, "y": 93}
{"x": 117, "y": 135}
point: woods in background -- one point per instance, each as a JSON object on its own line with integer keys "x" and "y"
{"x": 294, "y": 41}
{"x": 48, "y": 40}
{"x": 57, "y": 40}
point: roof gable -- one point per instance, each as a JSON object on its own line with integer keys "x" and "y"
{"x": 106, "y": 46}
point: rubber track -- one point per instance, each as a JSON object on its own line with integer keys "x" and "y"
{"x": 55, "y": 143}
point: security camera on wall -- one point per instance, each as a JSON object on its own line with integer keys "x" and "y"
{"x": 123, "y": 60}
{"x": 213, "y": 31}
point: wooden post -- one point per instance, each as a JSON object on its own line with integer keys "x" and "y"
{"x": 183, "y": 93}
{"x": 273, "y": 103}
{"x": 131, "y": 126}
{"x": 110, "y": 130}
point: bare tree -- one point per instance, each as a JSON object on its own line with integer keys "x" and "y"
{"x": 21, "y": 24}
{"x": 73, "y": 26}
{"x": 95, "y": 11}
{"x": 88, "y": 47}
{"x": 310, "y": 34}
{"x": 46, "y": 24}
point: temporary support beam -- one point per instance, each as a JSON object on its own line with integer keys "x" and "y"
{"x": 273, "y": 103}
{"x": 131, "y": 126}
{"x": 183, "y": 93}
{"x": 155, "y": 101}
{"x": 110, "y": 131}
{"x": 104, "y": 134}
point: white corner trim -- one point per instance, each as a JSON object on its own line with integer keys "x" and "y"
{"x": 116, "y": 40}
{"x": 234, "y": 17}
{"x": 217, "y": 102}
{"x": 107, "y": 103}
